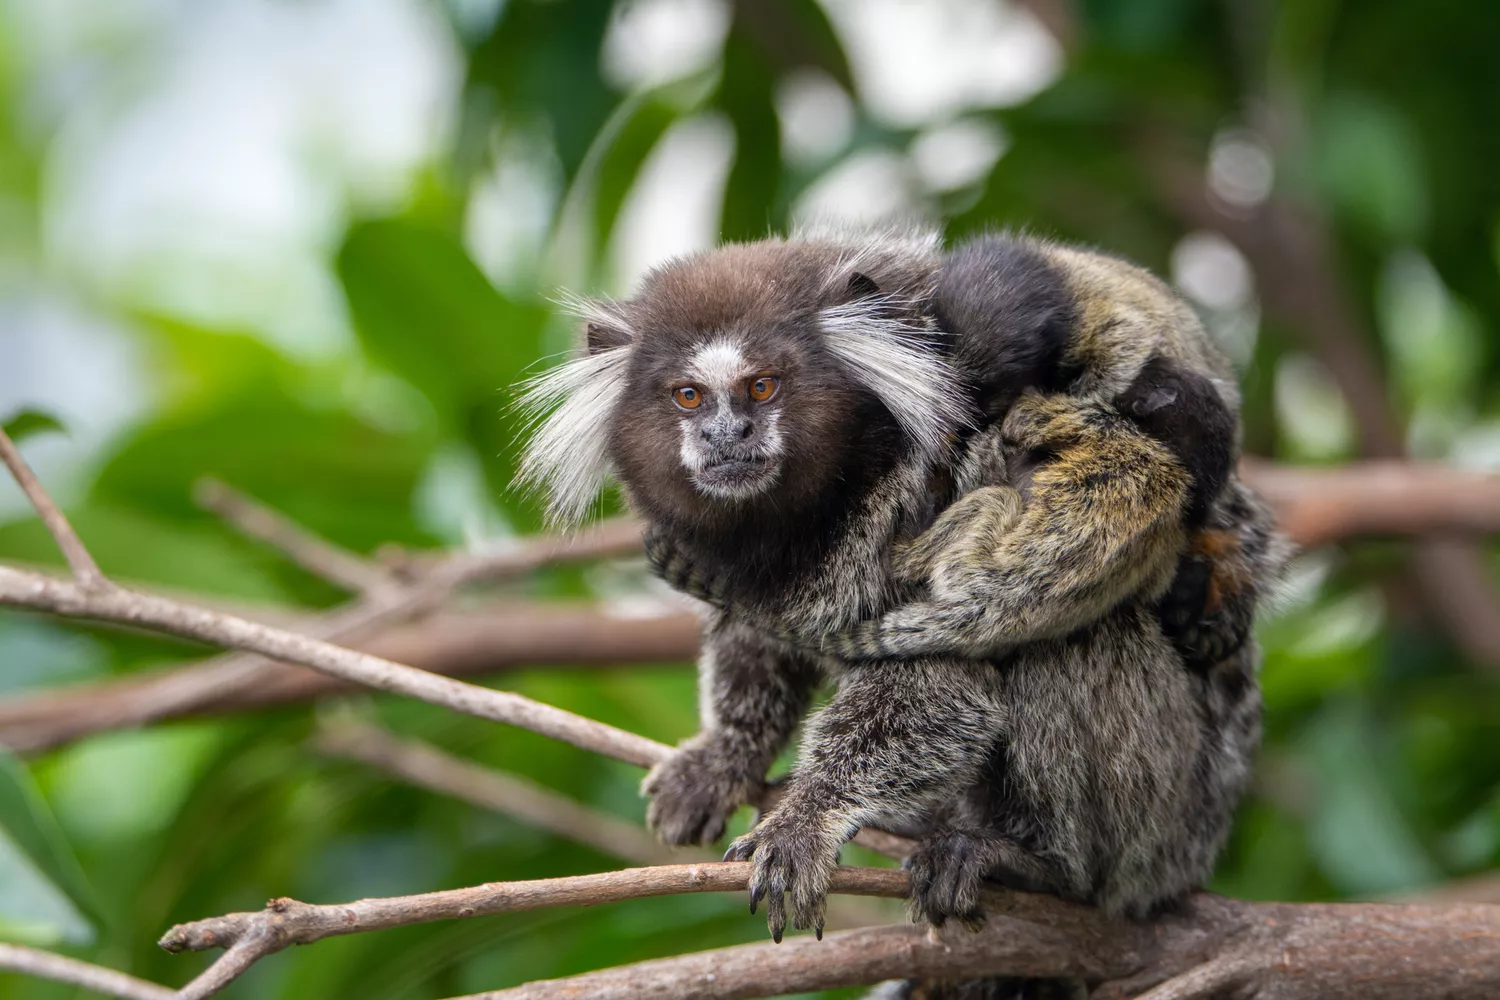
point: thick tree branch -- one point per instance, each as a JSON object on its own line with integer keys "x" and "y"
{"x": 85, "y": 570}
{"x": 1319, "y": 506}
{"x": 317, "y": 555}
{"x": 1279, "y": 951}
{"x": 115, "y": 604}
{"x": 46, "y": 965}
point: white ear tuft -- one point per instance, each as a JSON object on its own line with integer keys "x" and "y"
{"x": 569, "y": 410}
{"x": 902, "y": 365}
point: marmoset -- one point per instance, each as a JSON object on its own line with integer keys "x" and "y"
{"x": 844, "y": 443}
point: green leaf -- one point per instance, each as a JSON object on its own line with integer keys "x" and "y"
{"x": 28, "y": 821}
{"x": 29, "y": 423}
{"x": 424, "y": 309}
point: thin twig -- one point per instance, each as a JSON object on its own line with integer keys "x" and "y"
{"x": 428, "y": 767}
{"x": 286, "y": 922}
{"x": 246, "y": 676}
{"x": 425, "y": 766}
{"x": 127, "y": 607}
{"x": 486, "y": 639}
{"x": 46, "y": 965}
{"x": 1211, "y": 979}
{"x": 313, "y": 553}
{"x": 85, "y": 570}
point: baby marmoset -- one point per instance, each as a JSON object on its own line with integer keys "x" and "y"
{"x": 780, "y": 412}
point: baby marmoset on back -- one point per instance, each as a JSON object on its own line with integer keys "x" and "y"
{"x": 789, "y": 418}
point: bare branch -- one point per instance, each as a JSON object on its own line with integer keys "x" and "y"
{"x": 85, "y": 570}
{"x": 1319, "y": 506}
{"x": 229, "y": 679}
{"x": 32, "y": 590}
{"x": 1211, "y": 979}
{"x": 426, "y": 766}
{"x": 286, "y": 922}
{"x": 46, "y": 965}
{"x": 1293, "y": 253}
{"x": 484, "y": 640}
{"x": 318, "y": 556}
{"x": 1316, "y": 506}
{"x": 1287, "y": 951}
{"x": 847, "y": 958}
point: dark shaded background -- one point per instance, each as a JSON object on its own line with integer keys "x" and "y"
{"x": 306, "y": 247}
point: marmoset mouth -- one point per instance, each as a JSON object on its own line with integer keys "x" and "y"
{"x": 738, "y": 477}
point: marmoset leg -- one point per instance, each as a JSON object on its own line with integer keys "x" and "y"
{"x": 753, "y": 690}
{"x": 895, "y": 741}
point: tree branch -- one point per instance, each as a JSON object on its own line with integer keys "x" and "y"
{"x": 483, "y": 640}
{"x": 1319, "y": 506}
{"x": 317, "y": 555}
{"x": 46, "y": 965}
{"x": 85, "y": 570}
{"x": 1283, "y": 951}
{"x": 428, "y": 767}
{"x": 1315, "y": 506}
{"x": 1291, "y": 250}
{"x": 115, "y": 604}
{"x": 285, "y": 922}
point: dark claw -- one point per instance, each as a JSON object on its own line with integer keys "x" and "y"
{"x": 757, "y": 893}
{"x": 818, "y": 930}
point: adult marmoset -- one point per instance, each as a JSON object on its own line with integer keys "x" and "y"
{"x": 843, "y": 441}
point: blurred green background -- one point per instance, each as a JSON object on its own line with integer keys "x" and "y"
{"x": 306, "y": 245}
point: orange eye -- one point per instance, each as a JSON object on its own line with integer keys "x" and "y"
{"x": 688, "y": 397}
{"x": 764, "y": 388}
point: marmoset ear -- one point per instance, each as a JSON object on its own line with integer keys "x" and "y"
{"x": 602, "y": 337}
{"x": 862, "y": 285}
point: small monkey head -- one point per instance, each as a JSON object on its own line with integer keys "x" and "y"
{"x": 749, "y": 377}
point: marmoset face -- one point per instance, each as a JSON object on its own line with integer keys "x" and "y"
{"x": 757, "y": 378}
{"x": 729, "y": 420}
{"x": 740, "y": 414}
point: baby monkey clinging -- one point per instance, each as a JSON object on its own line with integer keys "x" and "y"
{"x": 790, "y": 417}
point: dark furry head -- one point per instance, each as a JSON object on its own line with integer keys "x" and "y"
{"x": 750, "y": 378}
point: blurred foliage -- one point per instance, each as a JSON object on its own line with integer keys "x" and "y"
{"x": 1382, "y": 763}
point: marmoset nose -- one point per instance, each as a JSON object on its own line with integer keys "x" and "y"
{"x": 728, "y": 431}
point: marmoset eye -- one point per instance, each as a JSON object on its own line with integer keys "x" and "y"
{"x": 764, "y": 388}
{"x": 688, "y": 397}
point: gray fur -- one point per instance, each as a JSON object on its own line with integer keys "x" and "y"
{"x": 1005, "y": 687}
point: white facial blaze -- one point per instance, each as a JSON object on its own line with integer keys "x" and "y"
{"x": 718, "y": 364}
{"x": 716, "y": 368}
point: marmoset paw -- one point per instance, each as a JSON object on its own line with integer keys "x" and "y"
{"x": 948, "y": 873}
{"x": 693, "y": 794}
{"x": 793, "y": 860}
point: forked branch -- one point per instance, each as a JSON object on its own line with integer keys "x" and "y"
{"x": 85, "y": 570}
